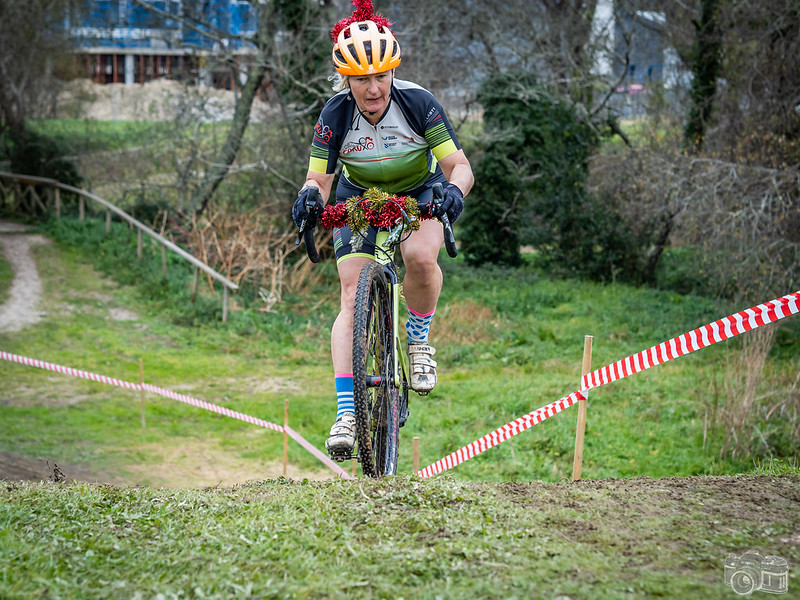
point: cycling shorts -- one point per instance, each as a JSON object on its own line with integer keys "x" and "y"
{"x": 343, "y": 236}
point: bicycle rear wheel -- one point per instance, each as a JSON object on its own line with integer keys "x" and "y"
{"x": 375, "y": 394}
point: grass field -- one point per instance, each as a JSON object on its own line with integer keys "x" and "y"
{"x": 212, "y": 518}
{"x": 506, "y": 346}
{"x": 396, "y": 538}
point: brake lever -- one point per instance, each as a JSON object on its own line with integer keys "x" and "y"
{"x": 449, "y": 237}
{"x": 311, "y": 205}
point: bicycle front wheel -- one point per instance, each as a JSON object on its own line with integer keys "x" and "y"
{"x": 375, "y": 394}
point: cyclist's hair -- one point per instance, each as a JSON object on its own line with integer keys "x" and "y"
{"x": 339, "y": 82}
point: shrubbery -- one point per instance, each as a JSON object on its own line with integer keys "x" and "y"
{"x": 41, "y": 156}
{"x": 530, "y": 188}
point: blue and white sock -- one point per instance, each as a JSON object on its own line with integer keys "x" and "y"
{"x": 418, "y": 326}
{"x": 344, "y": 393}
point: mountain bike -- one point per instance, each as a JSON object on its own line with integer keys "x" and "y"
{"x": 380, "y": 366}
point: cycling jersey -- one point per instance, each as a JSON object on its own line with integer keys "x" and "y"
{"x": 398, "y": 154}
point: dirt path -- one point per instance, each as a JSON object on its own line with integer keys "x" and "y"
{"x": 20, "y": 310}
{"x": 204, "y": 465}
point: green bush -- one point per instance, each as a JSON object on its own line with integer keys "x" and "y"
{"x": 530, "y": 187}
{"x": 41, "y": 156}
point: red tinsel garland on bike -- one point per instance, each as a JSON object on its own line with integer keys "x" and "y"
{"x": 375, "y": 208}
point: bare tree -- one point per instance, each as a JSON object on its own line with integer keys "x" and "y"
{"x": 282, "y": 56}
{"x": 32, "y": 54}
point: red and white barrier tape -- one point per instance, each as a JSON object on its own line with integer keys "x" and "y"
{"x": 500, "y": 435}
{"x": 692, "y": 341}
{"x": 221, "y": 410}
{"x": 32, "y": 362}
{"x": 314, "y": 451}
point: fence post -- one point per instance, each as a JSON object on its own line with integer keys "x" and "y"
{"x": 194, "y": 284}
{"x": 138, "y": 243}
{"x": 416, "y": 455}
{"x": 285, "y": 436}
{"x": 108, "y": 221}
{"x": 164, "y": 261}
{"x": 224, "y": 303}
{"x": 58, "y": 203}
{"x": 581, "y": 428}
{"x": 81, "y": 207}
{"x": 141, "y": 383}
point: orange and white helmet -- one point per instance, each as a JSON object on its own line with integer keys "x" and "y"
{"x": 365, "y": 48}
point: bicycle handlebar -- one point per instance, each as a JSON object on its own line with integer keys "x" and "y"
{"x": 307, "y": 225}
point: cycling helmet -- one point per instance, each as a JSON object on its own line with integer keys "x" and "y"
{"x": 354, "y": 52}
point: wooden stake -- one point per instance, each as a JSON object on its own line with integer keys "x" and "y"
{"x": 58, "y": 203}
{"x": 416, "y": 455}
{"x": 285, "y": 436}
{"x": 353, "y": 471}
{"x": 581, "y": 428}
{"x": 194, "y": 285}
{"x": 141, "y": 382}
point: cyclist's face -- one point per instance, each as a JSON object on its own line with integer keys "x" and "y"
{"x": 371, "y": 93}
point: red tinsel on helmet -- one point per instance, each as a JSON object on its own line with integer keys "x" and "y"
{"x": 364, "y": 12}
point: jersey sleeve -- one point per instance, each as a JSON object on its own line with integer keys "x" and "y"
{"x": 438, "y": 131}
{"x": 328, "y": 134}
{"x": 323, "y": 158}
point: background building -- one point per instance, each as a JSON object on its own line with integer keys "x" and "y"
{"x": 119, "y": 41}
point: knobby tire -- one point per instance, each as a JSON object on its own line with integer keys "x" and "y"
{"x": 376, "y": 408}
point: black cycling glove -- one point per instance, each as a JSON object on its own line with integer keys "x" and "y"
{"x": 299, "y": 210}
{"x": 452, "y": 202}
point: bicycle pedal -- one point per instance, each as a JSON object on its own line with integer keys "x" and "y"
{"x": 342, "y": 456}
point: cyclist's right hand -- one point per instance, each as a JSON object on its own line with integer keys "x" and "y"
{"x": 308, "y": 197}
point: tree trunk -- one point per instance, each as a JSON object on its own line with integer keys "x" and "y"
{"x": 241, "y": 115}
{"x": 705, "y": 67}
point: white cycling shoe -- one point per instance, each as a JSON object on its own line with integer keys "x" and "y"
{"x": 423, "y": 367}
{"x": 343, "y": 435}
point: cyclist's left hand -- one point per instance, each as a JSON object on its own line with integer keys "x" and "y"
{"x": 452, "y": 202}
{"x": 299, "y": 210}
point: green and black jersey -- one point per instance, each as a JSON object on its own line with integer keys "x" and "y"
{"x": 399, "y": 153}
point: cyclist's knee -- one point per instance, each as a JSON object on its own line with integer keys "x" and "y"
{"x": 424, "y": 270}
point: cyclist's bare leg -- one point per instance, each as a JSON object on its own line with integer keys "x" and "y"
{"x": 422, "y": 285}
{"x": 342, "y": 330}
{"x": 343, "y": 433}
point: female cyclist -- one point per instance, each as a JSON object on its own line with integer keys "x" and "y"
{"x": 393, "y": 135}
